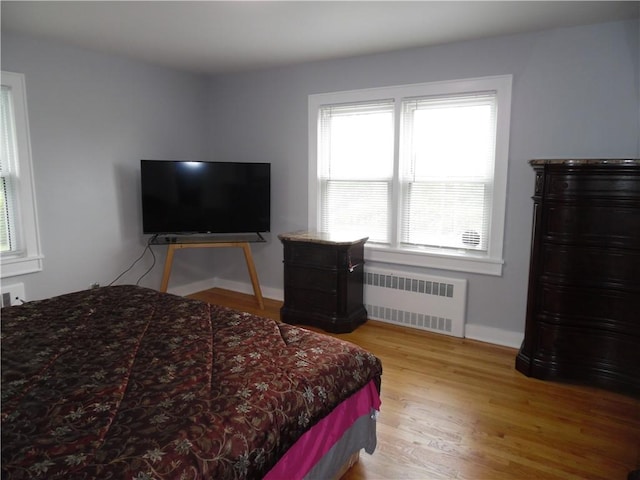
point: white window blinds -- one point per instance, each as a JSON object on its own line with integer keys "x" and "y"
{"x": 356, "y": 153}
{"x": 8, "y": 231}
{"x": 447, "y": 157}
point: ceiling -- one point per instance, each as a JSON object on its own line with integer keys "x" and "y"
{"x": 232, "y": 36}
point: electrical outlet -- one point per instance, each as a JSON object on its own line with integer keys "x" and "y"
{"x": 6, "y": 299}
{"x": 13, "y": 294}
{"x": 94, "y": 285}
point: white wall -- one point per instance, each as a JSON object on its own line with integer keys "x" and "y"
{"x": 575, "y": 93}
{"x": 92, "y": 118}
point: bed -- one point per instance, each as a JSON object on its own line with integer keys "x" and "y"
{"x": 126, "y": 382}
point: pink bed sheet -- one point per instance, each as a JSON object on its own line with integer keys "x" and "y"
{"x": 317, "y": 441}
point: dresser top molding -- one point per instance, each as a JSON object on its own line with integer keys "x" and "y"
{"x": 585, "y": 161}
{"x": 322, "y": 237}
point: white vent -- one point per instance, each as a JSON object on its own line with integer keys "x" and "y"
{"x": 425, "y": 302}
{"x": 13, "y": 294}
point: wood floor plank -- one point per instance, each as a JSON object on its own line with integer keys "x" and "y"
{"x": 457, "y": 409}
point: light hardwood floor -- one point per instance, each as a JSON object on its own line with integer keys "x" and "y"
{"x": 457, "y": 409}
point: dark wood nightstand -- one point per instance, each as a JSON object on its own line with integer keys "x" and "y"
{"x": 323, "y": 281}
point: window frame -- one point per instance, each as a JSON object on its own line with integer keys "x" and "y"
{"x": 490, "y": 263}
{"x": 29, "y": 258}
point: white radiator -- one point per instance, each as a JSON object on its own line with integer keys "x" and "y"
{"x": 419, "y": 301}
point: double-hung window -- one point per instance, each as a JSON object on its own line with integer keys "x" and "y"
{"x": 19, "y": 242}
{"x": 419, "y": 169}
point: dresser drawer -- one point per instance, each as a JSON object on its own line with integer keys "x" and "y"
{"x": 589, "y": 349}
{"x": 315, "y": 301}
{"x": 341, "y": 257}
{"x": 591, "y": 266}
{"x": 593, "y": 224}
{"x": 312, "y": 254}
{"x": 311, "y": 278}
{"x": 612, "y": 310}
{"x": 593, "y": 183}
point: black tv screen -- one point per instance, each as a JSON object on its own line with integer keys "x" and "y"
{"x": 186, "y": 197}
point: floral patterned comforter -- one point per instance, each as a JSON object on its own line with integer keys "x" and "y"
{"x": 128, "y": 383}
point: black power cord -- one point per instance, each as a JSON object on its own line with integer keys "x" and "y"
{"x": 153, "y": 264}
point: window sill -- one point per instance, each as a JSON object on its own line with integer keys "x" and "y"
{"x": 12, "y": 267}
{"x": 458, "y": 263}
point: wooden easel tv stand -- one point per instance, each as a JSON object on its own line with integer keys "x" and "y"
{"x": 178, "y": 242}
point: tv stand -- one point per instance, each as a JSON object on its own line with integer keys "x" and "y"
{"x": 178, "y": 242}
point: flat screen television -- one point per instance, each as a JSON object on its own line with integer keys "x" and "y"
{"x": 185, "y": 197}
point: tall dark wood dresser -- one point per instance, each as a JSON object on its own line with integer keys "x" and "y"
{"x": 323, "y": 281}
{"x": 583, "y": 308}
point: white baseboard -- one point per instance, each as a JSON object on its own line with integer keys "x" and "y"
{"x": 189, "y": 288}
{"x": 242, "y": 287}
{"x": 497, "y": 336}
{"x": 273, "y": 293}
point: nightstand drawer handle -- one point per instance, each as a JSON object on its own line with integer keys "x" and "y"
{"x": 353, "y": 267}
